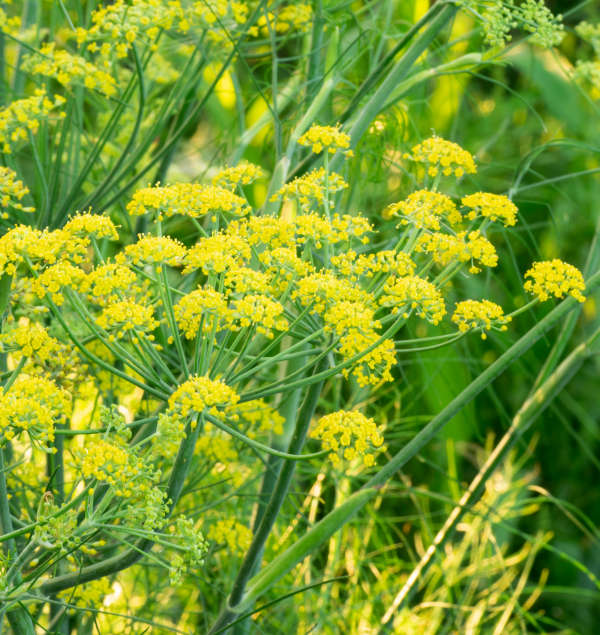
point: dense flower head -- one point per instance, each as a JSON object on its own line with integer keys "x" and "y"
{"x": 12, "y": 192}
{"x": 201, "y": 393}
{"x": 23, "y": 116}
{"x": 204, "y": 308}
{"x": 243, "y": 173}
{"x": 496, "y": 207}
{"x": 111, "y": 462}
{"x": 260, "y": 311}
{"x": 187, "y": 199}
{"x": 425, "y": 209}
{"x": 479, "y": 314}
{"x": 69, "y": 69}
{"x": 55, "y": 279}
{"x": 311, "y": 187}
{"x": 442, "y": 157}
{"x": 329, "y": 138}
{"x": 348, "y": 434}
{"x": 340, "y": 228}
{"x": 322, "y": 289}
{"x": 412, "y": 293}
{"x": 125, "y": 315}
{"x": 266, "y": 231}
{"x": 35, "y": 405}
{"x": 108, "y": 282}
{"x": 554, "y": 278}
{"x": 373, "y": 367}
{"x": 97, "y": 224}
{"x": 465, "y": 246}
{"x": 217, "y": 253}
{"x": 247, "y": 280}
{"x": 388, "y": 261}
{"x": 155, "y": 250}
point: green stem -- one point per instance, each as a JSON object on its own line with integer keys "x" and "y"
{"x": 531, "y": 409}
{"x": 271, "y": 511}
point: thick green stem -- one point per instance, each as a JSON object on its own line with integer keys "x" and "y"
{"x": 272, "y": 510}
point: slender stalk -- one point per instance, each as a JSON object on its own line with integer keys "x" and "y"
{"x": 531, "y": 409}
{"x": 271, "y": 511}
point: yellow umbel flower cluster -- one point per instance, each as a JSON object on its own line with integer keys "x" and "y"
{"x": 479, "y": 314}
{"x": 462, "y": 247}
{"x": 243, "y": 173}
{"x": 54, "y": 279}
{"x": 108, "y": 282}
{"x": 187, "y": 199}
{"x": 98, "y": 225}
{"x": 424, "y": 209}
{"x": 203, "y": 310}
{"x": 386, "y": 261}
{"x": 496, "y": 207}
{"x": 12, "y": 191}
{"x": 311, "y": 187}
{"x": 33, "y": 340}
{"x": 34, "y": 405}
{"x": 329, "y": 138}
{"x": 412, "y": 293}
{"x": 230, "y": 532}
{"x": 69, "y": 69}
{"x": 153, "y": 250}
{"x": 200, "y": 393}
{"x": 217, "y": 253}
{"x": 261, "y": 312}
{"x": 349, "y": 434}
{"x": 442, "y": 157}
{"x": 123, "y": 23}
{"x": 112, "y": 463}
{"x": 554, "y": 278}
{"x": 23, "y": 117}
{"x": 126, "y": 315}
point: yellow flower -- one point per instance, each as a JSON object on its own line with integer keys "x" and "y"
{"x": 126, "y": 315}
{"x": 492, "y": 206}
{"x": 202, "y": 307}
{"x": 85, "y": 224}
{"x": 35, "y": 405}
{"x": 261, "y": 312}
{"x": 188, "y": 199}
{"x": 200, "y": 393}
{"x": 424, "y": 209}
{"x": 217, "y": 253}
{"x": 55, "y": 278}
{"x": 243, "y": 173}
{"x": 311, "y": 187}
{"x": 441, "y": 156}
{"x": 348, "y": 435}
{"x": 554, "y": 278}
{"x": 157, "y": 250}
{"x": 328, "y": 138}
{"x": 12, "y": 191}
{"x": 413, "y": 293}
{"x": 69, "y": 69}
{"x": 23, "y": 116}
{"x": 462, "y": 247}
{"x": 484, "y": 315}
